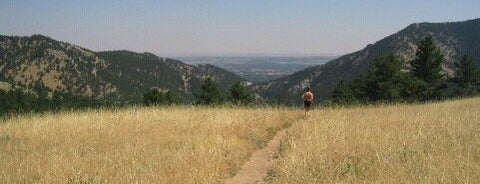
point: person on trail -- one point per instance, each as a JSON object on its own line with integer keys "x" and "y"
{"x": 307, "y": 98}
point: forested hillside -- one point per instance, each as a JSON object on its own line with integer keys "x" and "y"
{"x": 44, "y": 67}
{"x": 454, "y": 39}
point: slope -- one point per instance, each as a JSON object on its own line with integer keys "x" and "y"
{"x": 454, "y": 38}
{"x": 45, "y": 66}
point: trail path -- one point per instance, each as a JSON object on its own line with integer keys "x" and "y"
{"x": 256, "y": 168}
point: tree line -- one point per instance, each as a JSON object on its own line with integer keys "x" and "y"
{"x": 209, "y": 95}
{"x": 390, "y": 80}
{"x": 18, "y": 101}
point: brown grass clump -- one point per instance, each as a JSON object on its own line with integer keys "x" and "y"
{"x": 432, "y": 143}
{"x": 137, "y": 145}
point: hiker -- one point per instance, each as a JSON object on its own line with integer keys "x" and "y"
{"x": 307, "y": 98}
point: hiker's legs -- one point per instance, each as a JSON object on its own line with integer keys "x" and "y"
{"x": 306, "y": 105}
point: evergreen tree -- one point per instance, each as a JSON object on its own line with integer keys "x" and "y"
{"x": 239, "y": 94}
{"x": 413, "y": 88}
{"x": 18, "y": 101}
{"x": 171, "y": 98}
{"x": 157, "y": 97}
{"x": 467, "y": 76}
{"x": 344, "y": 94}
{"x": 210, "y": 95}
{"x": 384, "y": 79}
{"x": 4, "y": 101}
{"x": 427, "y": 67}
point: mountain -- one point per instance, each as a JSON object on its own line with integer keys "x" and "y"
{"x": 454, "y": 39}
{"x": 45, "y": 66}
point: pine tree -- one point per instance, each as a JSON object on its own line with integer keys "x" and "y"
{"x": 467, "y": 76}
{"x": 384, "y": 79}
{"x": 413, "y": 88}
{"x": 239, "y": 94}
{"x": 170, "y": 98}
{"x": 156, "y": 97}
{"x": 210, "y": 95}
{"x": 344, "y": 94}
{"x": 383, "y": 82}
{"x": 427, "y": 67}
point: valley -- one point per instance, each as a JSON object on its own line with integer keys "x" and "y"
{"x": 258, "y": 69}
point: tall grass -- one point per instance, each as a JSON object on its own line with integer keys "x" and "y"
{"x": 135, "y": 145}
{"x": 430, "y": 143}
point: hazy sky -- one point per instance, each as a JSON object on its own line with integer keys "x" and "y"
{"x": 225, "y": 27}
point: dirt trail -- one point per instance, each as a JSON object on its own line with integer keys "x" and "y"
{"x": 256, "y": 168}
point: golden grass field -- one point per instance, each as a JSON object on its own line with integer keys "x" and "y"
{"x": 431, "y": 143}
{"x": 136, "y": 145}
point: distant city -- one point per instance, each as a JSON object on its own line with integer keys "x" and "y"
{"x": 258, "y": 69}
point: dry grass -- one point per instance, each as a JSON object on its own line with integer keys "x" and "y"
{"x": 138, "y": 145}
{"x": 432, "y": 143}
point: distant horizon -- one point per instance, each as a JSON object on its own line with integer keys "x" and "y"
{"x": 262, "y": 55}
{"x": 173, "y": 56}
{"x": 235, "y": 28}
{"x": 199, "y": 55}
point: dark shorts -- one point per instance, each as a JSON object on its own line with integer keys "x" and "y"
{"x": 307, "y": 104}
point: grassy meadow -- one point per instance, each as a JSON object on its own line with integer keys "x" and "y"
{"x": 137, "y": 145}
{"x": 426, "y": 143}
{"x": 431, "y": 143}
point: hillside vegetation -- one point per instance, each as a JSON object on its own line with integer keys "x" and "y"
{"x": 136, "y": 145}
{"x": 431, "y": 143}
{"x": 47, "y": 67}
{"x": 453, "y": 38}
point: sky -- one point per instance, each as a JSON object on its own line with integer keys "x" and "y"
{"x": 225, "y": 27}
